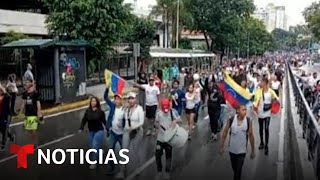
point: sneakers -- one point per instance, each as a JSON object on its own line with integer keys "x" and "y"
{"x": 266, "y": 150}
{"x": 120, "y": 175}
{"x": 214, "y": 137}
{"x": 93, "y": 166}
{"x": 166, "y": 176}
{"x": 148, "y": 132}
{"x": 189, "y": 137}
{"x": 261, "y": 146}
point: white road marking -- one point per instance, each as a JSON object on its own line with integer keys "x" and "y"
{"x": 57, "y": 114}
{"x": 140, "y": 169}
{"x": 40, "y": 146}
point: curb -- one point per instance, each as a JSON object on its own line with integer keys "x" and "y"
{"x": 65, "y": 107}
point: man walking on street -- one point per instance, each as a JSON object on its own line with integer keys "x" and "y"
{"x": 241, "y": 129}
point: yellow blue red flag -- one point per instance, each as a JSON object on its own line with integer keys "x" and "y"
{"x": 233, "y": 92}
{"x": 115, "y": 82}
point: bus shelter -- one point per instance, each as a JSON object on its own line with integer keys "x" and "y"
{"x": 59, "y": 67}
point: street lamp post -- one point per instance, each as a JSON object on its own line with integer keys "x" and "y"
{"x": 177, "y": 30}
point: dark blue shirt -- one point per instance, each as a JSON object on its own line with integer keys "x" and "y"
{"x": 178, "y": 95}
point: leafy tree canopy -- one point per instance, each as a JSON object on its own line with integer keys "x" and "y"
{"x": 100, "y": 22}
{"x": 142, "y": 31}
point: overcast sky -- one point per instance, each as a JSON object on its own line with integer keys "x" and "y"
{"x": 294, "y": 8}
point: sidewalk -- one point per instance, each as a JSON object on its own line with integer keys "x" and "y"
{"x": 97, "y": 91}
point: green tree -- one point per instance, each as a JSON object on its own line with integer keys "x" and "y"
{"x": 185, "y": 43}
{"x": 219, "y": 20}
{"x": 253, "y": 37}
{"x": 142, "y": 31}
{"x": 100, "y": 22}
{"x": 12, "y": 36}
{"x": 312, "y": 17}
{"x": 168, "y": 10}
{"x": 283, "y": 39}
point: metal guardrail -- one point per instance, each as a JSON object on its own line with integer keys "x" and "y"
{"x": 311, "y": 128}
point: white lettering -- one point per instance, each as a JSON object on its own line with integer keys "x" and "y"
{"x": 54, "y": 156}
{"x": 100, "y": 156}
{"x": 81, "y": 156}
{"x": 111, "y": 157}
{"x": 41, "y": 156}
{"x": 88, "y": 156}
{"x": 72, "y": 152}
{"x": 124, "y": 156}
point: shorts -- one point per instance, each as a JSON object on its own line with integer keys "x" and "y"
{"x": 190, "y": 111}
{"x": 151, "y": 112}
{"x": 31, "y": 123}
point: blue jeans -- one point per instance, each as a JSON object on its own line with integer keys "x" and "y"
{"x": 96, "y": 141}
{"x": 114, "y": 139}
{"x": 179, "y": 110}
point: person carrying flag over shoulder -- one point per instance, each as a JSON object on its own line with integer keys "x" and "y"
{"x": 266, "y": 102}
{"x": 233, "y": 93}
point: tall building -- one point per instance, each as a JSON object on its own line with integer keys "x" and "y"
{"x": 274, "y": 16}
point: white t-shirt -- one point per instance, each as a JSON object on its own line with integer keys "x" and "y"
{"x": 152, "y": 93}
{"x": 266, "y": 100}
{"x": 136, "y": 117}
{"x": 275, "y": 85}
{"x": 165, "y": 120}
{"x": 117, "y": 121}
{"x": 191, "y": 101}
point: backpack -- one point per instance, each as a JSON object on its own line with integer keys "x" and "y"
{"x": 248, "y": 124}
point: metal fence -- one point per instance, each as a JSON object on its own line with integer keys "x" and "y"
{"x": 310, "y": 126}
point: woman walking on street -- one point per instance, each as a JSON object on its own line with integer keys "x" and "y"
{"x": 96, "y": 120}
{"x": 264, "y": 98}
{"x": 191, "y": 101}
{"x": 214, "y": 104}
{"x": 240, "y": 128}
{"x": 13, "y": 91}
{"x": 133, "y": 132}
{"x": 4, "y": 117}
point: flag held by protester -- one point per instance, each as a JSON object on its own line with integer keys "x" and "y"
{"x": 115, "y": 82}
{"x": 233, "y": 92}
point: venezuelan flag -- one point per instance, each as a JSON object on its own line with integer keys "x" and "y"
{"x": 116, "y": 83}
{"x": 233, "y": 92}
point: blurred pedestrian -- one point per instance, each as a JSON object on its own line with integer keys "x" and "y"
{"x": 4, "y": 117}
{"x": 13, "y": 91}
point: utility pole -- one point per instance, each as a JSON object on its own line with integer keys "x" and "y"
{"x": 177, "y": 30}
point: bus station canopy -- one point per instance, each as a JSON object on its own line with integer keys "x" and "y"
{"x": 178, "y": 53}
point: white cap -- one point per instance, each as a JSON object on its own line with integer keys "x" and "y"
{"x": 29, "y": 66}
{"x": 132, "y": 94}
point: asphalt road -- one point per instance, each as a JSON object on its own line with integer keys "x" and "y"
{"x": 199, "y": 158}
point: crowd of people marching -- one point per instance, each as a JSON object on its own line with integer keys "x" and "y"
{"x": 172, "y": 104}
{"x": 30, "y": 108}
